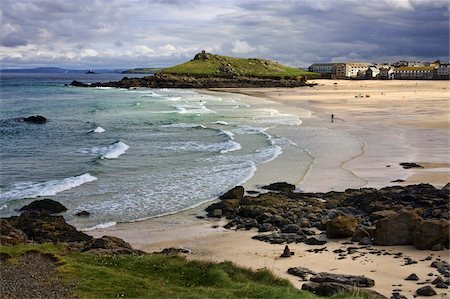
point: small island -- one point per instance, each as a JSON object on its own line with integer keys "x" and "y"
{"x": 207, "y": 70}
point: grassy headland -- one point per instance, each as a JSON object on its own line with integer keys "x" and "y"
{"x": 159, "y": 276}
{"x": 212, "y": 65}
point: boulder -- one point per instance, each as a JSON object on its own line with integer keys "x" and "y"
{"x": 301, "y": 272}
{"x": 328, "y": 289}
{"x": 173, "y": 251}
{"x": 426, "y": 291}
{"x": 359, "y": 234}
{"x": 83, "y": 214}
{"x": 413, "y": 277}
{"x": 45, "y": 205}
{"x": 358, "y": 281}
{"x": 430, "y": 233}
{"x": 291, "y": 228}
{"x": 111, "y": 245}
{"x": 265, "y": 227}
{"x": 408, "y": 165}
{"x": 286, "y": 252}
{"x": 397, "y": 229}
{"x": 281, "y": 187}
{"x": 9, "y": 235}
{"x": 35, "y": 119}
{"x": 42, "y": 227}
{"x": 377, "y": 215}
{"x": 341, "y": 227}
{"x": 235, "y": 193}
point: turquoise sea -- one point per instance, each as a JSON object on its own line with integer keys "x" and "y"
{"x": 126, "y": 155}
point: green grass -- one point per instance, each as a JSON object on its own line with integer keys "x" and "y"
{"x": 224, "y": 66}
{"x": 142, "y": 70}
{"x": 157, "y": 276}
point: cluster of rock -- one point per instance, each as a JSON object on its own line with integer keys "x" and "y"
{"x": 329, "y": 284}
{"x": 184, "y": 81}
{"x": 412, "y": 215}
{"x": 37, "y": 223}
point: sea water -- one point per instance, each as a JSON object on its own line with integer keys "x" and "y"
{"x": 126, "y": 155}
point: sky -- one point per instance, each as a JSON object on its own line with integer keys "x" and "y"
{"x": 153, "y": 33}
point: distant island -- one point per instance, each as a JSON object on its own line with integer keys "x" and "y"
{"x": 142, "y": 70}
{"x": 207, "y": 70}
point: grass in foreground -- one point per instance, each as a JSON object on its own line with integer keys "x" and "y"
{"x": 157, "y": 276}
{"x": 225, "y": 66}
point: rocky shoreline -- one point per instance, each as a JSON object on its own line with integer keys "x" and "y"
{"x": 412, "y": 215}
{"x": 181, "y": 81}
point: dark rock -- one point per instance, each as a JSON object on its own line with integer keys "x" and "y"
{"x": 301, "y": 272}
{"x": 426, "y": 291}
{"x": 42, "y": 227}
{"x": 265, "y": 227}
{"x": 341, "y": 227}
{"x": 409, "y": 261}
{"x": 282, "y": 187}
{"x": 397, "y": 229}
{"x": 79, "y": 84}
{"x": 437, "y": 280}
{"x": 111, "y": 245}
{"x": 332, "y": 288}
{"x": 235, "y": 193}
{"x": 36, "y": 119}
{"x": 413, "y": 277}
{"x": 291, "y": 228}
{"x": 408, "y": 165}
{"x": 10, "y": 235}
{"x": 441, "y": 285}
{"x": 429, "y": 233}
{"x": 365, "y": 241}
{"x": 286, "y": 252}
{"x": 83, "y": 214}
{"x": 173, "y": 251}
{"x": 396, "y": 295}
{"x": 359, "y": 234}
{"x": 398, "y": 181}
{"x": 314, "y": 241}
{"x": 377, "y": 215}
{"x": 45, "y": 205}
{"x": 358, "y": 281}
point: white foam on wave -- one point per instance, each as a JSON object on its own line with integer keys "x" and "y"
{"x": 220, "y": 122}
{"x": 194, "y": 146}
{"x": 100, "y": 226}
{"x": 227, "y": 133}
{"x": 273, "y": 116}
{"x": 242, "y": 130}
{"x": 112, "y": 151}
{"x": 183, "y": 125}
{"x": 103, "y": 87}
{"x": 49, "y": 188}
{"x": 193, "y": 108}
{"x": 99, "y": 130}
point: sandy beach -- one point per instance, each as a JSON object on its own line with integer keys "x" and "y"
{"x": 378, "y": 124}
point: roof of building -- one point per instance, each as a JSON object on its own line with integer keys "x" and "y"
{"x": 415, "y": 68}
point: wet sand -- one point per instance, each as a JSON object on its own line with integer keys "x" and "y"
{"x": 400, "y": 121}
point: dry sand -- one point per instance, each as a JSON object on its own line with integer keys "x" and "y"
{"x": 400, "y": 121}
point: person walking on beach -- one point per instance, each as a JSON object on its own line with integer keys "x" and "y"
{"x": 332, "y": 117}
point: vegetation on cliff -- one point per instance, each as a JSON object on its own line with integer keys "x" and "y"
{"x": 211, "y": 65}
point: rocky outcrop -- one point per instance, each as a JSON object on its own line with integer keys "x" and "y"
{"x": 110, "y": 245}
{"x": 181, "y": 81}
{"x": 328, "y": 289}
{"x": 9, "y": 235}
{"x": 235, "y": 193}
{"x": 281, "y": 186}
{"x": 37, "y": 224}
{"x": 341, "y": 227}
{"x": 43, "y": 227}
{"x": 397, "y": 229}
{"x": 426, "y": 291}
{"x": 35, "y": 119}
{"x": 431, "y": 233}
{"x": 45, "y": 205}
{"x": 415, "y": 214}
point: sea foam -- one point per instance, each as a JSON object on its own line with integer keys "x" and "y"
{"x": 99, "y": 130}
{"x": 33, "y": 190}
{"x": 112, "y": 151}
{"x": 101, "y": 226}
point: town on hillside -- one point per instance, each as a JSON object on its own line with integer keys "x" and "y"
{"x": 400, "y": 70}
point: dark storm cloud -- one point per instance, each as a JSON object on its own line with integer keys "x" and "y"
{"x": 148, "y": 32}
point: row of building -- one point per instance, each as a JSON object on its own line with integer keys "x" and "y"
{"x": 362, "y": 70}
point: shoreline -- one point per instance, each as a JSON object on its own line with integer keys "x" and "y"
{"x": 209, "y": 241}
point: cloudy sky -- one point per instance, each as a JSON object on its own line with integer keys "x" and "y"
{"x": 138, "y": 33}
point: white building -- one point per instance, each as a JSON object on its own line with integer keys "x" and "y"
{"x": 350, "y": 69}
{"x": 443, "y": 71}
{"x": 414, "y": 73}
{"x": 372, "y": 72}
